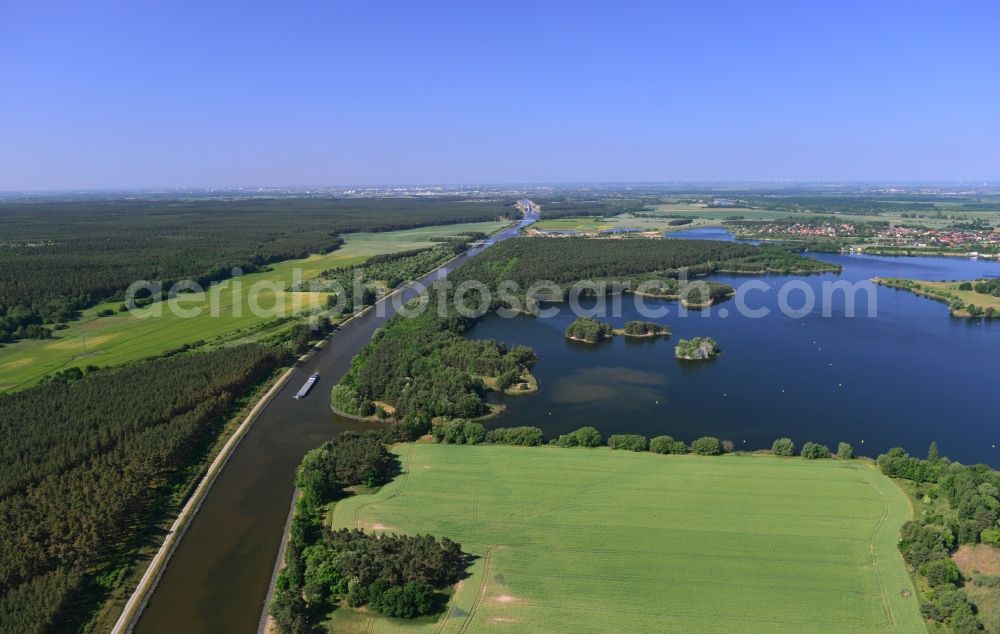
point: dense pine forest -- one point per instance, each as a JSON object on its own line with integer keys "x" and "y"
{"x": 49, "y": 269}
{"x": 87, "y": 466}
{"x": 563, "y": 206}
{"x": 568, "y": 260}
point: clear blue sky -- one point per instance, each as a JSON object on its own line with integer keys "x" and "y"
{"x": 175, "y": 93}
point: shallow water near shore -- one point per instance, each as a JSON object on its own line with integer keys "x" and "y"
{"x": 907, "y": 376}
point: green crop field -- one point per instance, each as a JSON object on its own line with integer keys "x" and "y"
{"x": 123, "y": 337}
{"x": 594, "y": 540}
{"x": 623, "y": 221}
{"x": 588, "y": 223}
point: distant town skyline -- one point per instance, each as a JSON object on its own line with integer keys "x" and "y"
{"x": 115, "y": 95}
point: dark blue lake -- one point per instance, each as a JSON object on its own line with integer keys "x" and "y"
{"x": 907, "y": 376}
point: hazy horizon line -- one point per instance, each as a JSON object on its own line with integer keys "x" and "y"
{"x": 469, "y": 186}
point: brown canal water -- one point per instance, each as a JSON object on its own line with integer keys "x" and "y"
{"x": 218, "y": 577}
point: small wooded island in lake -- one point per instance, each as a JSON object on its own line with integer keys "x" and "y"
{"x": 643, "y": 329}
{"x": 589, "y": 330}
{"x": 697, "y": 349}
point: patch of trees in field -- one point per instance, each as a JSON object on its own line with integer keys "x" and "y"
{"x": 667, "y": 445}
{"x": 423, "y": 365}
{"x": 350, "y": 458}
{"x": 86, "y": 465}
{"x": 459, "y": 432}
{"x": 462, "y": 238}
{"x": 582, "y": 437}
{"x": 815, "y": 451}
{"x": 969, "y": 509}
{"x": 564, "y": 261}
{"x": 811, "y": 450}
{"x": 393, "y": 575}
{"x": 589, "y": 330}
{"x": 381, "y": 274}
{"x": 59, "y": 257}
{"x": 375, "y": 278}
{"x": 392, "y": 269}
{"x": 526, "y": 436}
{"x": 783, "y": 447}
{"x": 987, "y": 287}
{"x": 628, "y": 442}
